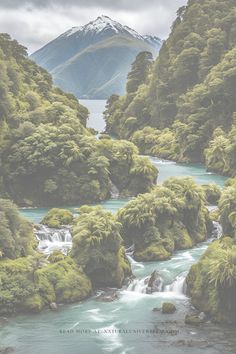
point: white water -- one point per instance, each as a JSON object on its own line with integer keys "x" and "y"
{"x": 178, "y": 285}
{"x": 53, "y": 239}
{"x": 39, "y": 334}
{"x": 218, "y": 230}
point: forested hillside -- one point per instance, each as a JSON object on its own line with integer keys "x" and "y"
{"x": 188, "y": 96}
{"x": 47, "y": 156}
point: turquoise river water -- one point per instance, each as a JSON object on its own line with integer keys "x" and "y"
{"x": 124, "y": 326}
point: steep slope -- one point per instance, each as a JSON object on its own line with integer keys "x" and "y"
{"x": 74, "y": 57}
{"x": 189, "y": 93}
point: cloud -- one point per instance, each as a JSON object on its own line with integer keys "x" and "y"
{"x": 108, "y": 4}
{"x": 35, "y": 22}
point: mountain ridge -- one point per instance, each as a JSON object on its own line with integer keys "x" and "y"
{"x": 72, "y": 48}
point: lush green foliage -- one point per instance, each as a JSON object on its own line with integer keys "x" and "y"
{"x": 16, "y": 233}
{"x": 129, "y": 172}
{"x": 30, "y": 284}
{"x": 97, "y": 247}
{"x": 56, "y": 218}
{"x": 227, "y": 210}
{"x": 154, "y": 142}
{"x": 221, "y": 152}
{"x": 47, "y": 156}
{"x": 173, "y": 216}
{"x": 212, "y": 193}
{"x": 212, "y": 281}
{"x": 188, "y": 97}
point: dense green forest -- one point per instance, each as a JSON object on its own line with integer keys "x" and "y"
{"x": 47, "y": 156}
{"x": 182, "y": 106}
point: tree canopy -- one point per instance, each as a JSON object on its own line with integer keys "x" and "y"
{"x": 188, "y": 93}
{"x": 47, "y": 156}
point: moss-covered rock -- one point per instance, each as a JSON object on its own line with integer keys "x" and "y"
{"x": 168, "y": 308}
{"x": 57, "y": 218}
{"x": 212, "y": 193}
{"x": 211, "y": 282}
{"x": 192, "y": 320}
{"x": 63, "y": 282}
{"x": 172, "y": 217}
{"x": 97, "y": 247}
{"x": 129, "y": 172}
{"x": 152, "y": 253}
{"x": 56, "y": 256}
{"x": 30, "y": 284}
{"x": 227, "y": 211}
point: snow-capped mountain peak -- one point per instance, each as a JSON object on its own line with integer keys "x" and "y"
{"x": 104, "y": 23}
{"x": 93, "y": 61}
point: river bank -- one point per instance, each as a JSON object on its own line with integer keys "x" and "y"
{"x": 128, "y": 324}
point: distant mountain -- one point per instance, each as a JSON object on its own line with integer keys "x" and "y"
{"x": 93, "y": 61}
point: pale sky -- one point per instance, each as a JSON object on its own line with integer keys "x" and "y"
{"x": 36, "y": 22}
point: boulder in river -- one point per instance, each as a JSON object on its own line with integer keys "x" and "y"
{"x": 193, "y": 320}
{"x": 53, "y": 306}
{"x": 155, "y": 283}
{"x": 168, "y": 308}
{"x": 108, "y": 296}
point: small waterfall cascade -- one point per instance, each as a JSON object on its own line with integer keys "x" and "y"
{"x": 130, "y": 251}
{"x": 217, "y": 227}
{"x": 147, "y": 285}
{"x": 178, "y": 286}
{"x": 114, "y": 192}
{"x": 53, "y": 239}
{"x": 154, "y": 283}
{"x": 217, "y": 230}
{"x": 139, "y": 285}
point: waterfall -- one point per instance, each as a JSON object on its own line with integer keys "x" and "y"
{"x": 114, "y": 192}
{"x": 139, "y": 285}
{"x": 147, "y": 285}
{"x": 129, "y": 251}
{"x": 53, "y": 239}
{"x": 178, "y": 286}
{"x": 217, "y": 230}
{"x": 154, "y": 284}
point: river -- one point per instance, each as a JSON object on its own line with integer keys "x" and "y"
{"x": 92, "y": 327}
